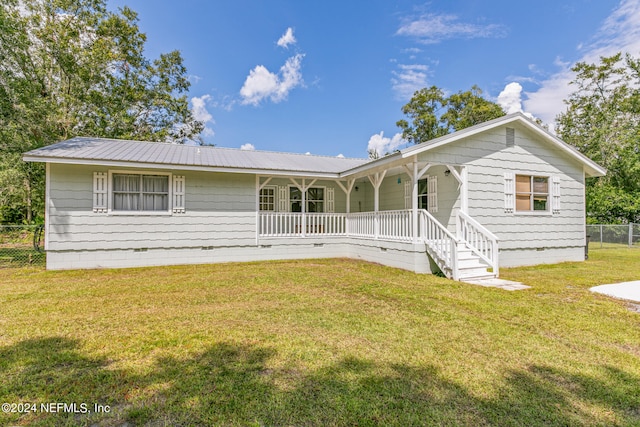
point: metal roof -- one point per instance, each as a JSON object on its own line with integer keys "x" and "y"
{"x": 93, "y": 150}
{"x": 164, "y": 155}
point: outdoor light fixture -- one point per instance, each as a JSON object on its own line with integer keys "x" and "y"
{"x": 447, "y": 172}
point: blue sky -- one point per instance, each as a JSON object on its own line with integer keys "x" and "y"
{"x": 330, "y": 77}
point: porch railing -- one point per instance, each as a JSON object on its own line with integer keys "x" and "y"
{"x": 280, "y": 224}
{"x": 327, "y": 224}
{"x": 481, "y": 241}
{"x": 290, "y": 224}
{"x": 395, "y": 225}
{"x": 362, "y": 224}
{"x": 390, "y": 225}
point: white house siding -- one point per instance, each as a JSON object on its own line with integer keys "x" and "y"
{"x": 220, "y": 212}
{"x": 524, "y": 238}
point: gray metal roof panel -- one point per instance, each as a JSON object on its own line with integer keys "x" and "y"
{"x": 101, "y": 149}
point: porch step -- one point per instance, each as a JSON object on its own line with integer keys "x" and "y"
{"x": 470, "y": 266}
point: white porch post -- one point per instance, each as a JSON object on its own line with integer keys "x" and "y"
{"x": 414, "y": 202}
{"x": 415, "y": 174}
{"x": 347, "y": 191}
{"x": 464, "y": 191}
{"x": 257, "y": 210}
{"x": 304, "y": 208}
{"x": 376, "y": 181}
{"x": 259, "y": 188}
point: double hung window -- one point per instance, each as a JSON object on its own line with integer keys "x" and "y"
{"x": 137, "y": 192}
{"x": 532, "y": 193}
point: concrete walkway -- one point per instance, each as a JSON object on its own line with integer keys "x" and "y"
{"x": 507, "y": 285}
{"x": 626, "y": 290}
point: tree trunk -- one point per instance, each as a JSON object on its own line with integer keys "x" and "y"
{"x": 28, "y": 203}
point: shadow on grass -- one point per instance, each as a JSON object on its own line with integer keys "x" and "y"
{"x": 233, "y": 384}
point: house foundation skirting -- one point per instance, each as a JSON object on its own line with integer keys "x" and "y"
{"x": 541, "y": 255}
{"x": 403, "y": 255}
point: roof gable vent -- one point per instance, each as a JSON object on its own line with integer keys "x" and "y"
{"x": 511, "y": 137}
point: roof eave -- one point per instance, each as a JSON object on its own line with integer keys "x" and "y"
{"x": 125, "y": 164}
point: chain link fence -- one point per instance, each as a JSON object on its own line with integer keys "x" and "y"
{"x": 21, "y": 246}
{"x": 613, "y": 236}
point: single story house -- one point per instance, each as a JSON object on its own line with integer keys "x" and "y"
{"x": 503, "y": 193}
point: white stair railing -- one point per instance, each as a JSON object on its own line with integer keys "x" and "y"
{"x": 440, "y": 242}
{"x": 481, "y": 241}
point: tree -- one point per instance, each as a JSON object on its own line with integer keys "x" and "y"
{"x": 433, "y": 115}
{"x": 602, "y": 121}
{"x": 70, "y": 67}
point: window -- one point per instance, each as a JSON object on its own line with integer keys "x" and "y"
{"x": 532, "y": 193}
{"x": 268, "y": 199}
{"x": 423, "y": 194}
{"x": 314, "y": 198}
{"x": 137, "y": 192}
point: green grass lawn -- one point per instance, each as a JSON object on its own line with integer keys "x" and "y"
{"x": 320, "y": 342}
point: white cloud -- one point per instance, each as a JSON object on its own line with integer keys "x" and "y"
{"x": 510, "y": 98}
{"x": 200, "y": 113}
{"x": 381, "y": 145}
{"x": 409, "y": 79}
{"x": 431, "y": 28}
{"x": 287, "y": 39}
{"x": 248, "y": 147}
{"x": 262, "y": 84}
{"x": 620, "y": 32}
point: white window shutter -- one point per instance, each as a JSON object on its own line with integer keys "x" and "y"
{"x": 555, "y": 195}
{"x": 178, "y": 194}
{"x": 432, "y": 194}
{"x": 283, "y": 198}
{"x": 100, "y": 193}
{"x": 509, "y": 192}
{"x": 408, "y": 189}
{"x": 331, "y": 200}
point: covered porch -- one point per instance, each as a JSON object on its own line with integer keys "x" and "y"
{"x": 448, "y": 234}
